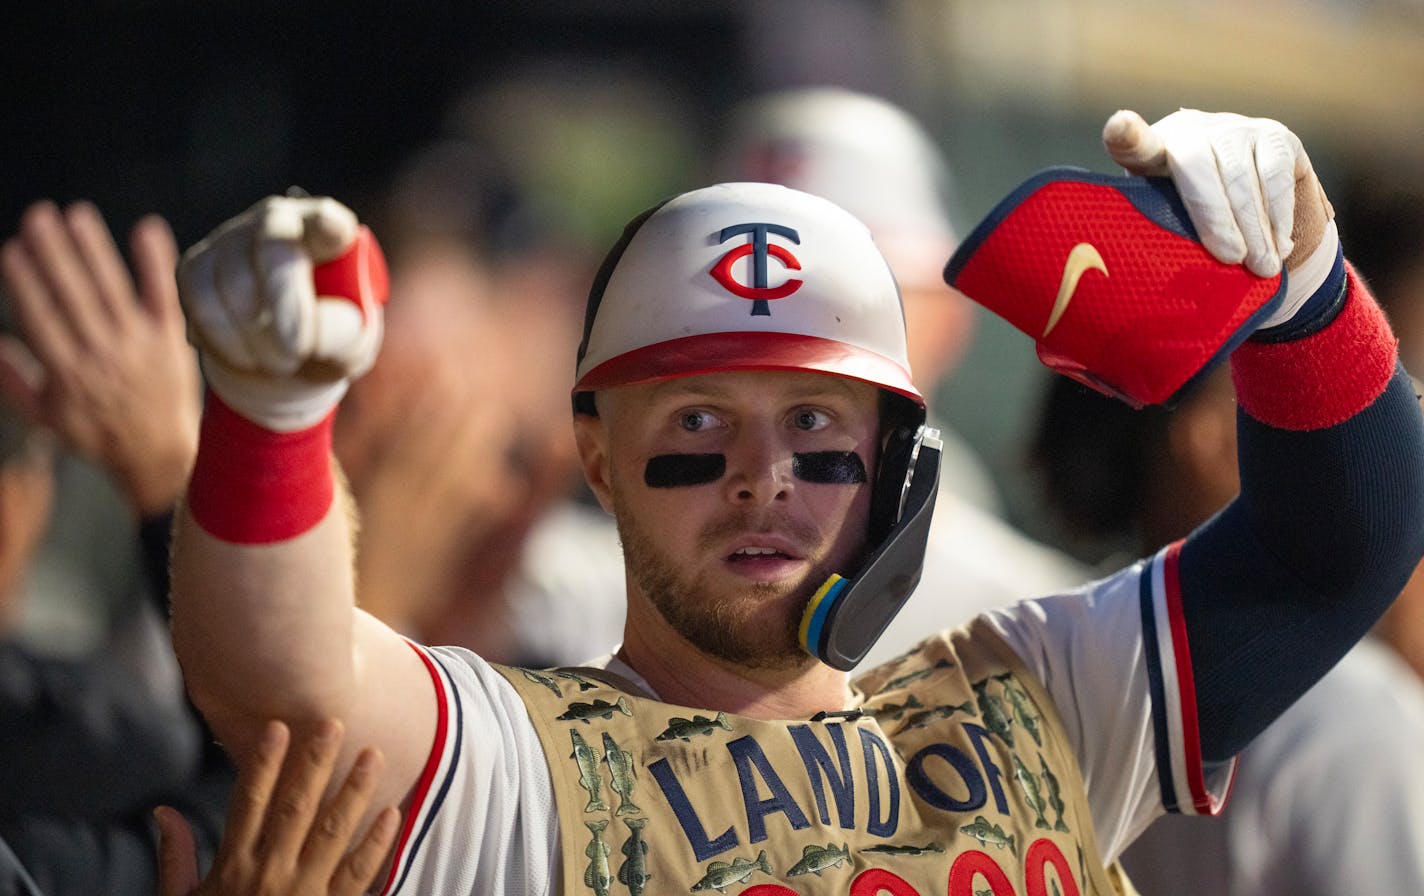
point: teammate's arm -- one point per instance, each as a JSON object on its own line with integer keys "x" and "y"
{"x": 264, "y": 616}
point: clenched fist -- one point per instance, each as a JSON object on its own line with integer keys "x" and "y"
{"x": 284, "y": 305}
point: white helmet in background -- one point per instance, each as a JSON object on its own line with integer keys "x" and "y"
{"x": 863, "y": 153}
{"x": 743, "y": 276}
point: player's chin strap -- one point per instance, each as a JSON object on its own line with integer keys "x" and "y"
{"x": 846, "y": 616}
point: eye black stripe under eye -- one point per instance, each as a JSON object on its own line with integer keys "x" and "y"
{"x": 678, "y": 470}
{"x": 831, "y": 467}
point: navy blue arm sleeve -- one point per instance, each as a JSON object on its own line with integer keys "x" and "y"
{"x": 1287, "y": 578}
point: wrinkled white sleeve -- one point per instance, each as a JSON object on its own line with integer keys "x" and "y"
{"x": 482, "y": 820}
{"x": 1113, "y": 656}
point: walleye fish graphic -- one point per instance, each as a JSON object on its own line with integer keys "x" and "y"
{"x": 583, "y": 683}
{"x": 1055, "y": 794}
{"x": 991, "y": 707}
{"x": 721, "y": 875}
{"x": 815, "y": 859}
{"x": 540, "y": 678}
{"x": 633, "y": 873}
{"x": 925, "y": 716}
{"x": 598, "y": 709}
{"x": 622, "y": 772}
{"x": 687, "y": 729}
{"x": 990, "y": 834}
{"x": 1028, "y": 783}
{"x": 589, "y": 779}
{"x": 916, "y": 675}
{"x": 1023, "y": 711}
{"x": 597, "y": 877}
{"x": 896, "y": 711}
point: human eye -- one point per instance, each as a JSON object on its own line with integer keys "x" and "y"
{"x": 696, "y": 420}
{"x": 810, "y": 419}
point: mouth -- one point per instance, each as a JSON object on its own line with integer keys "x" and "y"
{"x": 765, "y": 560}
{"x": 754, "y": 553}
{"x": 768, "y": 550}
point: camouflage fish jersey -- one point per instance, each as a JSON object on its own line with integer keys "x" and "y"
{"x": 955, "y": 767}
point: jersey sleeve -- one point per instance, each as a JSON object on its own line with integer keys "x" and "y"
{"x": 1111, "y": 656}
{"x": 482, "y": 819}
{"x": 1326, "y": 800}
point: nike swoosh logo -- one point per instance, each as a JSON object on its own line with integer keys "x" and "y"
{"x": 1081, "y": 258}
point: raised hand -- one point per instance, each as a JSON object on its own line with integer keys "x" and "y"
{"x": 103, "y": 362}
{"x": 1248, "y": 185}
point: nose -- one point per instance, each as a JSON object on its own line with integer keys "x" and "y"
{"x": 758, "y": 467}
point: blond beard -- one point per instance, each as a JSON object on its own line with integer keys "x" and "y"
{"x": 728, "y": 628}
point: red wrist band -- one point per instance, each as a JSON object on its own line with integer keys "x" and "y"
{"x": 254, "y": 486}
{"x": 1322, "y": 379}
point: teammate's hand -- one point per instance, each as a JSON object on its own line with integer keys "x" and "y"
{"x": 272, "y": 349}
{"x": 103, "y": 362}
{"x": 1249, "y": 188}
{"x": 277, "y": 838}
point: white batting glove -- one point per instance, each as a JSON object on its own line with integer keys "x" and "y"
{"x": 1248, "y": 186}
{"x": 271, "y": 348}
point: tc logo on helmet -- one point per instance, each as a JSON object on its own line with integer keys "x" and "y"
{"x": 759, "y": 249}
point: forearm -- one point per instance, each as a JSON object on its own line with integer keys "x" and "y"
{"x": 1326, "y": 530}
{"x": 262, "y": 582}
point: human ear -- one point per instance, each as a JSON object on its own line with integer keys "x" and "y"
{"x": 592, "y": 439}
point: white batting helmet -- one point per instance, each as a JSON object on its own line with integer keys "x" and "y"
{"x": 743, "y": 276}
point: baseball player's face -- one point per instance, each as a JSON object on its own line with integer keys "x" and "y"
{"x": 736, "y": 495}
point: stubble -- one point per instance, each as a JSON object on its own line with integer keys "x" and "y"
{"x": 733, "y": 627}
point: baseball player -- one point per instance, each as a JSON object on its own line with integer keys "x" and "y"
{"x": 744, "y": 408}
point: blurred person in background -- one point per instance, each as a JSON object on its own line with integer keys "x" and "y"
{"x": 90, "y": 743}
{"x": 1329, "y": 799}
{"x": 462, "y": 417}
{"x": 876, "y": 161}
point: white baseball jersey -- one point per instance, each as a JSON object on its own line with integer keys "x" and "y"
{"x": 483, "y": 820}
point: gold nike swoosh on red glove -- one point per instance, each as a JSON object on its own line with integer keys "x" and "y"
{"x": 1081, "y": 258}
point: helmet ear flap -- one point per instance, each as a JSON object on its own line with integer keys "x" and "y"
{"x": 845, "y": 616}
{"x": 901, "y": 420}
